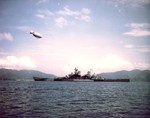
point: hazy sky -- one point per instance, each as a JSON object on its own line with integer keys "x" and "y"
{"x": 102, "y": 35}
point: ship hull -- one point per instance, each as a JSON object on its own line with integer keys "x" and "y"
{"x": 112, "y": 80}
{"x": 82, "y": 80}
{"x": 39, "y": 79}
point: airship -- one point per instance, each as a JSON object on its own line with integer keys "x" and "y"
{"x": 36, "y": 34}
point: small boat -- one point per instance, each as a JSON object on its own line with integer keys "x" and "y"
{"x": 39, "y": 79}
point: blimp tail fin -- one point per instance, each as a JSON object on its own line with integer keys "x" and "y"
{"x": 31, "y": 32}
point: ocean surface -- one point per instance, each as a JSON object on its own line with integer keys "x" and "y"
{"x": 47, "y": 99}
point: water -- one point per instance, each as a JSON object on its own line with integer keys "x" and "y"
{"x": 32, "y": 99}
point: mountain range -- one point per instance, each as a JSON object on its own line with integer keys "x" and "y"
{"x": 133, "y": 75}
{"x": 9, "y": 74}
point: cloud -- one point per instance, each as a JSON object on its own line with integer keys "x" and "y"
{"x": 143, "y": 48}
{"x": 129, "y": 46}
{"x": 62, "y": 17}
{"x": 85, "y": 18}
{"x": 138, "y": 29}
{"x": 82, "y": 52}
{"x": 132, "y": 3}
{"x": 14, "y": 62}
{"x": 42, "y": 1}
{"x": 46, "y": 12}
{"x": 43, "y": 13}
{"x": 114, "y": 62}
{"x": 138, "y": 48}
{"x": 24, "y": 28}
{"x": 109, "y": 62}
{"x": 85, "y": 11}
{"x": 68, "y": 12}
{"x": 138, "y": 33}
{"x": 138, "y": 25}
{"x": 40, "y": 16}
{"x": 6, "y": 36}
{"x": 142, "y": 65}
{"x": 83, "y": 14}
{"x": 61, "y": 22}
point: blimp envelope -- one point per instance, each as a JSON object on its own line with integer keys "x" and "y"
{"x": 36, "y": 34}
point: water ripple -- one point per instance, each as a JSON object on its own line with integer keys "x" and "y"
{"x": 74, "y": 100}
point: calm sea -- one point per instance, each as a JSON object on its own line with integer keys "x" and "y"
{"x": 46, "y": 99}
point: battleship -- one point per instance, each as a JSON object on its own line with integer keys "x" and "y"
{"x": 76, "y": 77}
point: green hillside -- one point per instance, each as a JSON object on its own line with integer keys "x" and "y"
{"x": 9, "y": 74}
{"x": 134, "y": 75}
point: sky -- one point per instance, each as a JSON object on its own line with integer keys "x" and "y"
{"x": 97, "y": 35}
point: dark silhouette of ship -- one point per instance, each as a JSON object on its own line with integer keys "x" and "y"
{"x": 39, "y": 79}
{"x": 76, "y": 77}
{"x": 112, "y": 80}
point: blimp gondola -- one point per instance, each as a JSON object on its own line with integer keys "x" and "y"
{"x": 36, "y": 34}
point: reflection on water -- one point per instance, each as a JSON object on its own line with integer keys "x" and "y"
{"x": 74, "y": 99}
